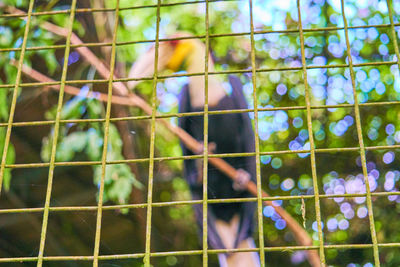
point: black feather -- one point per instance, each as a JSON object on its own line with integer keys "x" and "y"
{"x": 232, "y": 133}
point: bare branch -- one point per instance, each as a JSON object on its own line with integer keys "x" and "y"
{"x": 129, "y": 101}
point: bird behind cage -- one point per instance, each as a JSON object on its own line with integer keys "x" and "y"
{"x": 230, "y": 225}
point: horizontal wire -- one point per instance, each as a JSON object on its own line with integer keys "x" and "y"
{"x": 202, "y": 36}
{"x": 197, "y": 113}
{"x": 222, "y": 155}
{"x": 197, "y": 252}
{"x": 93, "y": 10}
{"x": 194, "y": 202}
{"x": 162, "y": 77}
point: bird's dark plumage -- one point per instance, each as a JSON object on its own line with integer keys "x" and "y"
{"x": 232, "y": 133}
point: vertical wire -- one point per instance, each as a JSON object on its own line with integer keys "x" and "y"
{"x": 146, "y": 259}
{"x": 15, "y": 94}
{"x": 105, "y": 140}
{"x": 394, "y": 36}
{"x": 312, "y": 145}
{"x": 257, "y": 140}
{"x": 361, "y": 143}
{"x": 205, "y": 142}
{"x": 55, "y": 136}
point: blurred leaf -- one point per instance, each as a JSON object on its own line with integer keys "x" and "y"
{"x": 73, "y": 109}
{"x": 115, "y": 139}
{"x": 46, "y": 149}
{"x": 60, "y": 19}
{"x": 77, "y": 28}
{"x": 95, "y": 108}
{"x": 6, "y": 36}
{"x": 18, "y": 3}
{"x": 11, "y": 73}
{"x": 76, "y": 141}
{"x": 94, "y": 144}
{"x": 64, "y": 152}
{"x": 122, "y": 180}
{"x": 3, "y": 104}
{"x": 10, "y": 158}
{"x": 51, "y": 113}
{"x": 120, "y": 190}
{"x": 51, "y": 61}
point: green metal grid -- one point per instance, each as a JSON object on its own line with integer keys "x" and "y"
{"x": 55, "y": 136}
{"x": 205, "y": 156}
{"x": 257, "y": 140}
{"x": 311, "y": 138}
{"x": 205, "y": 142}
{"x": 146, "y": 259}
{"x": 105, "y": 143}
{"x": 361, "y": 142}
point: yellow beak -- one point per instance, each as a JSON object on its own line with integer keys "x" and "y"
{"x": 181, "y": 52}
{"x": 169, "y": 56}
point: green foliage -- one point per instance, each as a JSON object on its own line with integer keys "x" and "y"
{"x": 4, "y": 113}
{"x": 16, "y": 3}
{"x": 86, "y": 139}
{"x": 10, "y": 158}
{"x": 3, "y": 104}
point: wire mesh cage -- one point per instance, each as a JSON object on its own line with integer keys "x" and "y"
{"x": 320, "y": 73}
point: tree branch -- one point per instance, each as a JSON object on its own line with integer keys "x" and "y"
{"x": 72, "y": 90}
